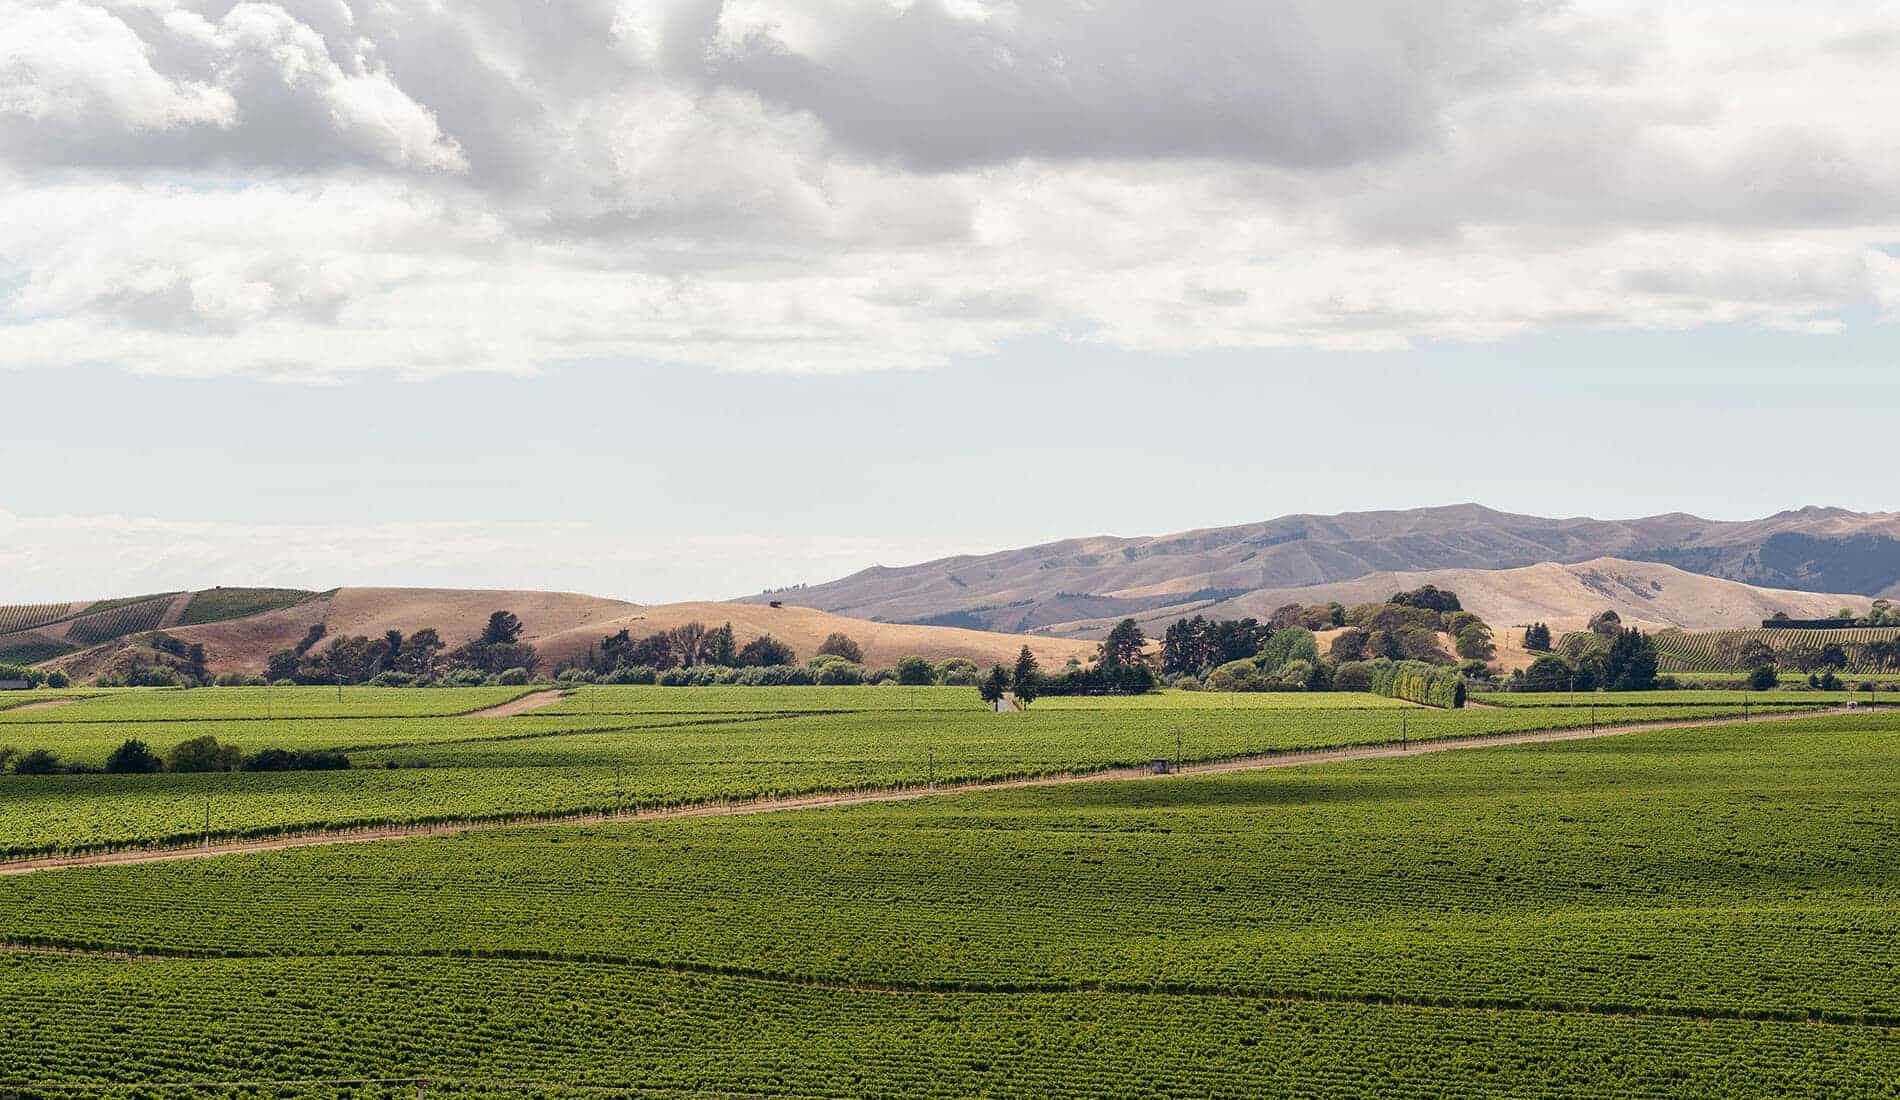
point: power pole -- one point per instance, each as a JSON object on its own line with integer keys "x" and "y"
{"x": 207, "y": 834}
{"x": 616, "y": 792}
{"x": 933, "y": 768}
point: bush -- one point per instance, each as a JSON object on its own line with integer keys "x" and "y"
{"x": 915, "y": 672}
{"x": 1353, "y": 676}
{"x": 630, "y": 674}
{"x": 58, "y": 679}
{"x": 838, "y": 672}
{"x": 841, "y": 645}
{"x": 881, "y": 676}
{"x": 514, "y": 677}
{"x": 390, "y": 678}
{"x": 33, "y": 676}
{"x": 38, "y": 762}
{"x": 464, "y": 677}
{"x": 576, "y": 676}
{"x": 1187, "y": 681}
{"x": 294, "y": 760}
{"x": 134, "y": 757}
{"x": 201, "y": 754}
{"x": 1241, "y": 675}
{"x": 1764, "y": 679}
{"x": 958, "y": 672}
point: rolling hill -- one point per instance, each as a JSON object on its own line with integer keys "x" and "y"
{"x": 240, "y": 628}
{"x": 1050, "y": 587}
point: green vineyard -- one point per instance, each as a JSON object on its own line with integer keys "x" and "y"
{"x": 26, "y": 616}
{"x": 1739, "y": 650}
{"x": 117, "y": 622}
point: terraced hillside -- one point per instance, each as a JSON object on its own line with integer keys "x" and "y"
{"x": 1732, "y": 650}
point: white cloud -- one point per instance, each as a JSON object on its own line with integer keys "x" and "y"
{"x": 310, "y": 189}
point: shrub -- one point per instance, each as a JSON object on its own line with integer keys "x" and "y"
{"x": 915, "y": 672}
{"x": 766, "y": 650}
{"x": 840, "y": 645}
{"x": 881, "y": 676}
{"x": 1548, "y": 674}
{"x": 58, "y": 679}
{"x": 463, "y": 677}
{"x": 391, "y": 678}
{"x": 31, "y": 675}
{"x": 840, "y": 672}
{"x": 957, "y": 672}
{"x": 1187, "y": 681}
{"x": 1241, "y": 675}
{"x": 1353, "y": 676}
{"x": 201, "y": 754}
{"x": 630, "y": 674}
{"x": 37, "y": 762}
{"x": 134, "y": 757}
{"x": 294, "y": 760}
{"x": 576, "y": 676}
{"x": 514, "y": 677}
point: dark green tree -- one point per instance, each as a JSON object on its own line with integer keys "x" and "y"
{"x": 1027, "y": 680}
{"x": 839, "y": 644}
{"x": 134, "y": 757}
{"x": 1631, "y": 664}
{"x": 502, "y": 629}
{"x": 720, "y": 648}
{"x": 1537, "y": 638}
{"x": 766, "y": 651}
{"x": 994, "y": 685}
{"x": 1123, "y": 645}
{"x": 914, "y": 671}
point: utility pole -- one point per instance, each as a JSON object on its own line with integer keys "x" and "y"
{"x": 933, "y": 768}
{"x": 207, "y": 834}
{"x": 616, "y": 792}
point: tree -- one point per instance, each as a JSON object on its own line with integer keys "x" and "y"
{"x": 765, "y": 651}
{"x": 1348, "y": 645}
{"x": 1606, "y": 624}
{"x": 1027, "y": 679}
{"x": 653, "y": 651}
{"x": 417, "y": 656}
{"x": 1756, "y": 653}
{"x": 1631, "y": 665}
{"x": 1474, "y": 643}
{"x": 282, "y": 665}
{"x": 1429, "y": 597}
{"x": 1123, "y": 645}
{"x": 1832, "y": 656}
{"x": 1287, "y": 614}
{"x": 195, "y": 663}
{"x": 1764, "y": 679}
{"x": 1548, "y": 674}
{"x": 994, "y": 684}
{"x": 839, "y": 644}
{"x": 719, "y": 647}
{"x": 502, "y": 629}
{"x": 201, "y": 754}
{"x": 1184, "y": 646}
{"x": 392, "y": 643}
{"x": 58, "y": 679}
{"x": 687, "y": 639}
{"x": 957, "y": 672}
{"x": 914, "y": 671}
{"x": 1232, "y": 639}
{"x": 1295, "y": 643}
{"x": 1537, "y": 638}
{"x": 134, "y": 757}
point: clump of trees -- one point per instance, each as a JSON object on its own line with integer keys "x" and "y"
{"x": 497, "y": 655}
{"x": 1537, "y": 638}
{"x": 1624, "y": 661}
{"x": 198, "y": 754}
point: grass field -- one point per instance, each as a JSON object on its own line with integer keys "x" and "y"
{"x": 1692, "y": 912}
{"x": 417, "y": 761}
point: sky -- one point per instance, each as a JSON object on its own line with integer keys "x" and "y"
{"x": 689, "y": 298}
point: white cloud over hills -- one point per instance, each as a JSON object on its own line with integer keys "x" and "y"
{"x": 312, "y": 188}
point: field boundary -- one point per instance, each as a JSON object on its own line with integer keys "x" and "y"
{"x": 264, "y": 841}
{"x": 978, "y": 987}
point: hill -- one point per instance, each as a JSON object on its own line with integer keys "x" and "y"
{"x": 558, "y": 624}
{"x": 1041, "y": 588}
{"x": 1645, "y": 594}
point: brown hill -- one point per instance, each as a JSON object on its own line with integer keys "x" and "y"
{"x": 1644, "y": 594}
{"x": 561, "y": 625}
{"x": 1105, "y": 578}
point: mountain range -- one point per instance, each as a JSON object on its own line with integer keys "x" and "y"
{"x": 1806, "y": 559}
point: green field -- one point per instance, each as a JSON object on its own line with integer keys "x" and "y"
{"x": 1692, "y": 912}
{"x": 419, "y": 759}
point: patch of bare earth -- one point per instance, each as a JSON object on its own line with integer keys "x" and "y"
{"x": 534, "y": 700}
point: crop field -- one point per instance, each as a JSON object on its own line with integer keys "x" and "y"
{"x": 1720, "y": 650}
{"x": 419, "y": 760}
{"x": 1690, "y": 912}
{"x": 26, "y": 616}
{"x": 117, "y": 621}
{"x": 1689, "y": 697}
{"x": 218, "y": 604}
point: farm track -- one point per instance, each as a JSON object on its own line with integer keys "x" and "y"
{"x": 1287, "y": 759}
{"x": 534, "y": 700}
{"x": 924, "y": 987}
{"x": 41, "y": 705}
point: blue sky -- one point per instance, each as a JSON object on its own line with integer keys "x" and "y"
{"x": 684, "y": 298}
{"x": 670, "y": 482}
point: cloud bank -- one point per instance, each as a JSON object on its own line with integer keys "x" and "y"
{"x": 307, "y": 189}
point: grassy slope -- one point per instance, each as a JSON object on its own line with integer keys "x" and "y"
{"x": 1635, "y": 917}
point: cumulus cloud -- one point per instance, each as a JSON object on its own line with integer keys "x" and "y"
{"x": 306, "y": 189}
